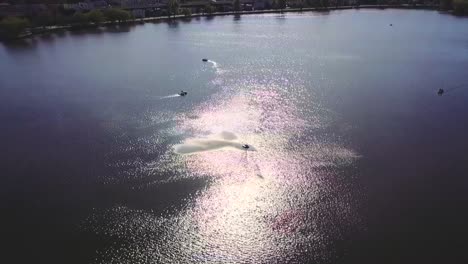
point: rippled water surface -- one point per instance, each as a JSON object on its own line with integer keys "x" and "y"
{"x": 352, "y": 158}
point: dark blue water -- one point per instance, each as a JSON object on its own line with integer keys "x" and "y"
{"x": 354, "y": 157}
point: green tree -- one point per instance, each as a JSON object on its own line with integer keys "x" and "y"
{"x": 301, "y": 4}
{"x": 79, "y": 19}
{"x": 274, "y": 4}
{"x": 209, "y": 9}
{"x": 96, "y": 17}
{"x": 237, "y": 5}
{"x": 460, "y": 7}
{"x": 381, "y": 2}
{"x": 281, "y": 4}
{"x": 124, "y": 16}
{"x": 42, "y": 20}
{"x": 12, "y": 27}
{"x": 172, "y": 7}
{"x": 312, "y": 3}
{"x": 445, "y": 4}
{"x": 186, "y": 12}
{"x": 117, "y": 15}
{"x": 61, "y": 20}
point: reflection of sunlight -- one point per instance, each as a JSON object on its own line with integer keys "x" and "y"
{"x": 230, "y": 213}
{"x": 267, "y": 119}
{"x": 263, "y": 192}
{"x": 258, "y": 205}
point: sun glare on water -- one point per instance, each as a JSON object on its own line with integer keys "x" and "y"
{"x": 262, "y": 203}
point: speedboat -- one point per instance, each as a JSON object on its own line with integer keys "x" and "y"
{"x": 440, "y": 92}
{"x": 245, "y": 146}
{"x": 205, "y": 60}
{"x": 182, "y": 93}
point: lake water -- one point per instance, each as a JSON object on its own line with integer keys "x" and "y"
{"x": 354, "y": 157}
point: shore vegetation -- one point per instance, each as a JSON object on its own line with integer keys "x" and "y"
{"x": 12, "y": 27}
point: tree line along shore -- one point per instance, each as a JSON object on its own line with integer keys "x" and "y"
{"x": 49, "y": 17}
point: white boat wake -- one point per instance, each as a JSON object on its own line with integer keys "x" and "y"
{"x": 214, "y": 65}
{"x": 223, "y": 140}
{"x": 170, "y": 96}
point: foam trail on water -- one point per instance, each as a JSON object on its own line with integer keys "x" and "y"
{"x": 200, "y": 145}
{"x": 227, "y": 135}
{"x": 170, "y": 96}
{"x": 223, "y": 140}
{"x": 214, "y": 65}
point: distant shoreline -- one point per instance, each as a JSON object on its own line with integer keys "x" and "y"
{"x": 296, "y": 10}
{"x": 40, "y": 31}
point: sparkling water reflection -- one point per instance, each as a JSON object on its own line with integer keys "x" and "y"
{"x": 263, "y": 206}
